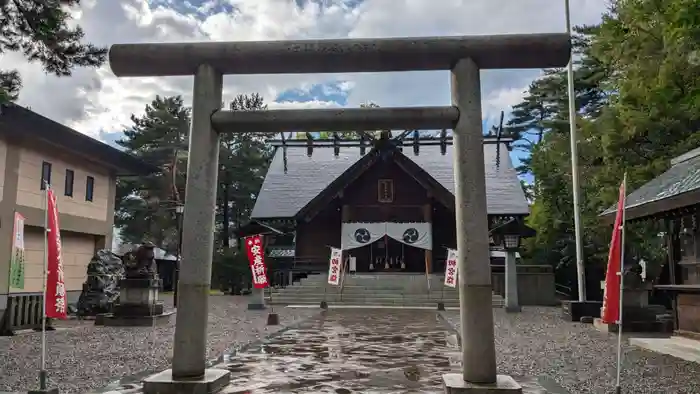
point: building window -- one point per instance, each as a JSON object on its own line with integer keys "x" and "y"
{"x": 386, "y": 190}
{"x": 45, "y": 175}
{"x": 89, "y": 188}
{"x": 68, "y": 187}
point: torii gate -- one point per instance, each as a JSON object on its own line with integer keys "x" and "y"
{"x": 464, "y": 56}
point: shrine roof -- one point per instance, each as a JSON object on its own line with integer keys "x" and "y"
{"x": 677, "y": 188}
{"x": 283, "y": 195}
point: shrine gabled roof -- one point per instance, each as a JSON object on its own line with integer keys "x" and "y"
{"x": 676, "y": 188}
{"x": 283, "y": 195}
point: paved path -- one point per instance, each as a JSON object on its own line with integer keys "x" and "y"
{"x": 84, "y": 357}
{"x": 379, "y": 351}
{"x": 537, "y": 342}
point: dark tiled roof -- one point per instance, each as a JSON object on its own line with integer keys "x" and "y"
{"x": 682, "y": 177}
{"x": 283, "y": 195}
{"x": 21, "y": 123}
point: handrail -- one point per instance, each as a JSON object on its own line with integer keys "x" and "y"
{"x": 562, "y": 290}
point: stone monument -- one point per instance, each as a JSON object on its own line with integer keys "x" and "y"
{"x": 637, "y": 314}
{"x": 101, "y": 289}
{"x": 138, "y": 292}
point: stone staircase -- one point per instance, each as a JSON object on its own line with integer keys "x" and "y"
{"x": 410, "y": 290}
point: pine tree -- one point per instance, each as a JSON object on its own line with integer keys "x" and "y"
{"x": 41, "y": 31}
{"x": 243, "y": 162}
{"x": 145, "y": 209}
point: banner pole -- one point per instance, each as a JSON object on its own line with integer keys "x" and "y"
{"x": 618, "y": 388}
{"x": 42, "y": 371}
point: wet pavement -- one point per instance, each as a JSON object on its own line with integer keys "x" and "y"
{"x": 350, "y": 351}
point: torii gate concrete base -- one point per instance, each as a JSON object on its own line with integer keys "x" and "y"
{"x": 455, "y": 384}
{"x": 465, "y": 57}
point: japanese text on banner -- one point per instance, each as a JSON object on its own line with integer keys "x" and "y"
{"x": 451, "y": 268}
{"x": 56, "y": 307}
{"x": 256, "y": 258}
{"x": 17, "y": 258}
{"x": 334, "y": 266}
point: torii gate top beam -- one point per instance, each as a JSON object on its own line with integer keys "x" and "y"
{"x": 342, "y": 55}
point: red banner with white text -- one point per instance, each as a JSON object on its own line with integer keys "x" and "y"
{"x": 56, "y": 306}
{"x": 256, "y": 258}
{"x": 611, "y": 296}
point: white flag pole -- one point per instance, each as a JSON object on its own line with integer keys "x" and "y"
{"x": 42, "y": 372}
{"x": 618, "y": 388}
{"x": 580, "y": 269}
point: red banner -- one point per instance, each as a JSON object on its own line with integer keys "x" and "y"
{"x": 55, "y": 285}
{"x": 256, "y": 258}
{"x": 611, "y": 296}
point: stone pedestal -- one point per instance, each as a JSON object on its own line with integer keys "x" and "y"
{"x": 638, "y": 315}
{"x": 138, "y": 304}
{"x": 257, "y": 300}
{"x": 455, "y": 384}
{"x": 163, "y": 383}
{"x": 575, "y": 310}
{"x": 512, "y": 305}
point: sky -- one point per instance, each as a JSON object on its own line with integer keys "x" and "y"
{"x": 95, "y": 102}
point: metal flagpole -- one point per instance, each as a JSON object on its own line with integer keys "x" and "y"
{"x": 618, "y": 388}
{"x": 42, "y": 371}
{"x": 581, "y": 273}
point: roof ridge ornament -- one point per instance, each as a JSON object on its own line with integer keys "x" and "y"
{"x": 498, "y": 141}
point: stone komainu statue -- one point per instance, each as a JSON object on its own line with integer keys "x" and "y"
{"x": 141, "y": 263}
{"x": 101, "y": 289}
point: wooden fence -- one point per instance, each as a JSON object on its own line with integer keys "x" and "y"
{"x": 23, "y": 312}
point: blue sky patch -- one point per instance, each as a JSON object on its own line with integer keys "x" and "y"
{"x": 332, "y": 91}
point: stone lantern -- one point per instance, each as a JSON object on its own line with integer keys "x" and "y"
{"x": 509, "y": 236}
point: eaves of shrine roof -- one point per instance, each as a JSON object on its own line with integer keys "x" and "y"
{"x": 677, "y": 188}
{"x": 283, "y": 195}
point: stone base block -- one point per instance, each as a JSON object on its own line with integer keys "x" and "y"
{"x": 133, "y": 321}
{"x": 635, "y": 326}
{"x": 163, "y": 383}
{"x": 256, "y": 307}
{"x": 138, "y": 309}
{"x": 140, "y": 283}
{"x": 454, "y": 384}
{"x": 574, "y": 310}
{"x": 273, "y": 319}
{"x": 46, "y": 391}
{"x": 513, "y": 309}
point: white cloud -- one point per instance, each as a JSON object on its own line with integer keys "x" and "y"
{"x": 92, "y": 100}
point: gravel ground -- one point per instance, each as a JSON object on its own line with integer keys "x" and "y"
{"x": 83, "y": 357}
{"x": 537, "y": 342}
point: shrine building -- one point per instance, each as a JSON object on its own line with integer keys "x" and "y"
{"x": 389, "y": 204}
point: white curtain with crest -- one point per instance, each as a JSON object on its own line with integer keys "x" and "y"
{"x": 357, "y": 235}
{"x": 416, "y": 234}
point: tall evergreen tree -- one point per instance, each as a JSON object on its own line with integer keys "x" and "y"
{"x": 243, "y": 162}
{"x": 637, "y": 100}
{"x": 40, "y": 30}
{"x": 145, "y": 209}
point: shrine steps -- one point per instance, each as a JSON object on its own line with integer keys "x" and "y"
{"x": 417, "y": 290}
